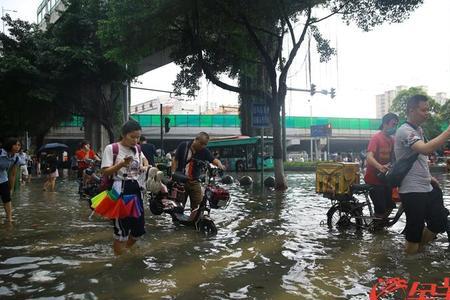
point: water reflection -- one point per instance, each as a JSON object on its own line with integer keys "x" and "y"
{"x": 270, "y": 245}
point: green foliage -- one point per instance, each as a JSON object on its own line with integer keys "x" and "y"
{"x": 432, "y": 127}
{"x": 59, "y": 72}
{"x": 29, "y": 101}
{"x": 230, "y": 38}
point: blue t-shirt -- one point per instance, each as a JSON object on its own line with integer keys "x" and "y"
{"x": 6, "y": 162}
{"x": 188, "y": 163}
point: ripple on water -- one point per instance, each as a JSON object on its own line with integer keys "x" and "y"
{"x": 262, "y": 236}
{"x": 43, "y": 276}
{"x": 157, "y": 286}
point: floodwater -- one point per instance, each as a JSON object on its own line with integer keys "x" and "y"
{"x": 269, "y": 246}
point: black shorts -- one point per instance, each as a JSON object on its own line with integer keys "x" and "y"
{"x": 126, "y": 227}
{"x": 421, "y": 208}
{"x": 381, "y": 196}
{"x": 4, "y": 192}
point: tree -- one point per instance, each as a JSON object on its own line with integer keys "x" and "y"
{"x": 29, "y": 101}
{"x": 89, "y": 82}
{"x": 432, "y": 127}
{"x": 212, "y": 37}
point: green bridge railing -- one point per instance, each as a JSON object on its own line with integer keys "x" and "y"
{"x": 234, "y": 121}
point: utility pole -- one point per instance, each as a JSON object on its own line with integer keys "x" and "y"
{"x": 161, "y": 118}
{"x": 283, "y": 129}
{"x": 312, "y": 91}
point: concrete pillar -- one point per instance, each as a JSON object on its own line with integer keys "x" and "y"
{"x": 93, "y": 133}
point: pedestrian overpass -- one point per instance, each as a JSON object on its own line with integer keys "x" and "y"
{"x": 348, "y": 134}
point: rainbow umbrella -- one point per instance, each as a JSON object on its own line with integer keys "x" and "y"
{"x": 112, "y": 205}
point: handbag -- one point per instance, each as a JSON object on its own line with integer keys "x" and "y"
{"x": 395, "y": 175}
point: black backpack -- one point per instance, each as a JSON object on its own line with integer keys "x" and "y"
{"x": 49, "y": 165}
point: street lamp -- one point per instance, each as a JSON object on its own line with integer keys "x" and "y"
{"x": 3, "y": 14}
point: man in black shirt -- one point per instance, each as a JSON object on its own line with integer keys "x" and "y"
{"x": 185, "y": 161}
{"x": 149, "y": 150}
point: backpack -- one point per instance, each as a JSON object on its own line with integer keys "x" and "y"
{"x": 106, "y": 181}
{"x": 48, "y": 166}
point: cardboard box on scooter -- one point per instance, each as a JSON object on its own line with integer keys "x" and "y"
{"x": 335, "y": 179}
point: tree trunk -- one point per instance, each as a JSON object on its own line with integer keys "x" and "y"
{"x": 280, "y": 179}
{"x": 245, "y": 107}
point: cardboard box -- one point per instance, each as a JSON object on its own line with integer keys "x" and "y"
{"x": 336, "y": 178}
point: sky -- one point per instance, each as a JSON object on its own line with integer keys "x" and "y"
{"x": 413, "y": 53}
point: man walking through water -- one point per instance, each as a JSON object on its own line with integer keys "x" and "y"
{"x": 185, "y": 161}
{"x": 416, "y": 188}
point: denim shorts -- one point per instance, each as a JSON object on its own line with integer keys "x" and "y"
{"x": 4, "y": 192}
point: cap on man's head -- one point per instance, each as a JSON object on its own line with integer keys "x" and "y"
{"x": 387, "y": 118}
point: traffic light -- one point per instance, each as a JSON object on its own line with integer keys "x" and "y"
{"x": 166, "y": 124}
{"x": 332, "y": 93}
{"x": 329, "y": 129}
{"x": 312, "y": 89}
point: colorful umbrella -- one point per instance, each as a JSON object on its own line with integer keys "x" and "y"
{"x": 113, "y": 205}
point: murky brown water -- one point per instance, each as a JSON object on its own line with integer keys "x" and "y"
{"x": 269, "y": 246}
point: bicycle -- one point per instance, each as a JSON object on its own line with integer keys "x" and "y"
{"x": 348, "y": 210}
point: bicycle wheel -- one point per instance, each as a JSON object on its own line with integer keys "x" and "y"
{"x": 343, "y": 216}
{"x": 397, "y": 216}
{"x": 207, "y": 226}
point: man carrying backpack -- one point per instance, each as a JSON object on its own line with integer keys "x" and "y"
{"x": 416, "y": 189}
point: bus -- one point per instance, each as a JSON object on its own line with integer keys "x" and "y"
{"x": 242, "y": 153}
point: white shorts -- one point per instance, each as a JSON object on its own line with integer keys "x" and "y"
{"x": 24, "y": 170}
{"x": 54, "y": 174}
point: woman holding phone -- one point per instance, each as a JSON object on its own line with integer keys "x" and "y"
{"x": 125, "y": 166}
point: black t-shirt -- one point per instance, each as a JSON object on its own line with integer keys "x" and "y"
{"x": 190, "y": 166}
{"x": 149, "y": 151}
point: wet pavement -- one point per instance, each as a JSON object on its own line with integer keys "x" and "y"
{"x": 270, "y": 245}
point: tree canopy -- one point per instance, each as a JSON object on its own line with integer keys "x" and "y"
{"x": 29, "y": 99}
{"x": 432, "y": 127}
{"x": 214, "y": 38}
{"x": 48, "y": 76}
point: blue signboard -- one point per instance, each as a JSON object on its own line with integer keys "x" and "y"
{"x": 321, "y": 130}
{"x": 260, "y": 115}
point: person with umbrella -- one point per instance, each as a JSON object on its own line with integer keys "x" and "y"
{"x": 49, "y": 164}
{"x": 8, "y": 158}
{"x": 51, "y": 170}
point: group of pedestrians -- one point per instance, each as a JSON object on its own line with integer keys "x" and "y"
{"x": 419, "y": 191}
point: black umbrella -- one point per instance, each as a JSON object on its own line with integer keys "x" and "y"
{"x": 53, "y": 147}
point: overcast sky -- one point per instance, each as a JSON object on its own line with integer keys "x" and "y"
{"x": 416, "y": 52}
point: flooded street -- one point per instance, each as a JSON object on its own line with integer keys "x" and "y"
{"x": 268, "y": 246}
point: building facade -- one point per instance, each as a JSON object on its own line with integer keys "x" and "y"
{"x": 384, "y": 101}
